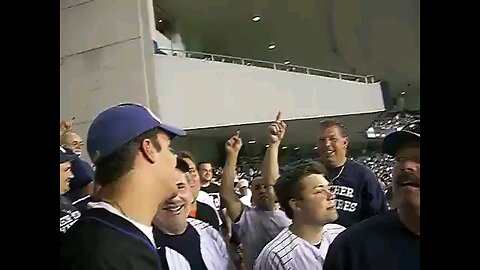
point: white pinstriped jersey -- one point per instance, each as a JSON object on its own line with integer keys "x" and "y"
{"x": 257, "y": 228}
{"x": 212, "y": 248}
{"x": 288, "y": 251}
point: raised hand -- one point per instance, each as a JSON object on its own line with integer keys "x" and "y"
{"x": 66, "y": 126}
{"x": 276, "y": 130}
{"x": 234, "y": 144}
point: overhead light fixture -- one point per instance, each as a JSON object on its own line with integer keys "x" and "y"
{"x": 315, "y": 148}
{"x": 252, "y": 141}
{"x": 272, "y": 46}
{"x": 403, "y": 93}
{"x": 284, "y": 147}
{"x": 267, "y": 146}
{"x": 287, "y": 62}
{"x": 296, "y": 148}
{"x": 256, "y": 18}
{"x": 160, "y": 20}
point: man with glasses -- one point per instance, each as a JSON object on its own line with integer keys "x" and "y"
{"x": 304, "y": 194}
{"x": 390, "y": 240}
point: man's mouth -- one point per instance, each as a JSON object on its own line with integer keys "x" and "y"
{"x": 410, "y": 184}
{"x": 329, "y": 153}
{"x": 174, "y": 209}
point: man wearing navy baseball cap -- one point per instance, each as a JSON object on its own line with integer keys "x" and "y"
{"x": 65, "y": 169}
{"x": 129, "y": 147}
{"x": 68, "y": 213}
{"x": 81, "y": 185}
{"x": 390, "y": 240}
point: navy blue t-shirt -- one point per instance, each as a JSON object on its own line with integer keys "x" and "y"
{"x": 358, "y": 193}
{"x": 69, "y": 214}
{"x": 187, "y": 244}
{"x": 379, "y": 243}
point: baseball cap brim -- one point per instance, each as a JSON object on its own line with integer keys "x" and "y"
{"x": 395, "y": 140}
{"x": 67, "y": 157}
{"x": 173, "y": 130}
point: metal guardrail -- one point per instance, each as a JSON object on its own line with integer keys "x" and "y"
{"x": 271, "y": 65}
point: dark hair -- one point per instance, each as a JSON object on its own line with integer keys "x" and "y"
{"x": 203, "y": 162}
{"x": 182, "y": 165}
{"x": 289, "y": 186}
{"x": 334, "y": 123}
{"x": 114, "y": 166}
{"x": 186, "y": 154}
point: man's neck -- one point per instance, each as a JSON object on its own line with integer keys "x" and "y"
{"x": 173, "y": 230}
{"x": 338, "y": 163}
{"x": 176, "y": 229}
{"x": 310, "y": 233}
{"x": 205, "y": 183}
{"x": 193, "y": 206}
{"x": 131, "y": 202}
{"x": 410, "y": 219}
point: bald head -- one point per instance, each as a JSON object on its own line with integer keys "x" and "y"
{"x": 72, "y": 141}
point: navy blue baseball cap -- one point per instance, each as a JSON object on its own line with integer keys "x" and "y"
{"x": 118, "y": 125}
{"x": 396, "y": 139}
{"x": 66, "y": 155}
{"x": 82, "y": 174}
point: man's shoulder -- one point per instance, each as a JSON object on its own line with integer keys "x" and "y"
{"x": 285, "y": 239}
{"x": 358, "y": 166}
{"x": 362, "y": 170}
{"x": 367, "y": 230}
{"x": 199, "y": 224}
{"x": 106, "y": 241}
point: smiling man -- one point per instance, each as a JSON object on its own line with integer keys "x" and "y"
{"x": 390, "y": 240}
{"x": 358, "y": 192}
{"x": 187, "y": 243}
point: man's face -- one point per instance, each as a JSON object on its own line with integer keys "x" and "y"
{"x": 332, "y": 147}
{"x": 406, "y": 176}
{"x": 206, "y": 172}
{"x": 172, "y": 214}
{"x": 165, "y": 168}
{"x": 316, "y": 204}
{"x": 263, "y": 194}
{"x": 193, "y": 177}
{"x": 65, "y": 176}
{"x": 74, "y": 142}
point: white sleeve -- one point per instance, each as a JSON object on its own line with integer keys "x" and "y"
{"x": 213, "y": 247}
{"x": 175, "y": 260}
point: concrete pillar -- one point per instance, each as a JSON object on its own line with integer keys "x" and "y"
{"x": 106, "y": 57}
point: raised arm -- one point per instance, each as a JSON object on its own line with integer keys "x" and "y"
{"x": 227, "y": 190}
{"x": 276, "y": 131}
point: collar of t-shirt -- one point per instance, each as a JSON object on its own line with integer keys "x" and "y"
{"x": 147, "y": 230}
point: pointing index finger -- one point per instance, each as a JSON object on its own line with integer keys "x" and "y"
{"x": 279, "y": 115}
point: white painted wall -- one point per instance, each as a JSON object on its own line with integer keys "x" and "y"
{"x": 197, "y": 94}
